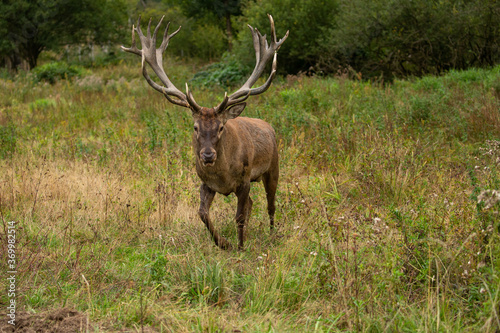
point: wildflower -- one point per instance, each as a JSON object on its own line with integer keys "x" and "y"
{"x": 314, "y": 253}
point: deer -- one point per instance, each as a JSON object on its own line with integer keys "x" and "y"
{"x": 230, "y": 151}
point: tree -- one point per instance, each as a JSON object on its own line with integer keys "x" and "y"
{"x": 201, "y": 38}
{"x": 223, "y": 9}
{"x": 29, "y": 27}
{"x": 400, "y": 38}
{"x": 307, "y": 21}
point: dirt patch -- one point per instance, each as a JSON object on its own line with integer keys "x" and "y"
{"x": 55, "y": 321}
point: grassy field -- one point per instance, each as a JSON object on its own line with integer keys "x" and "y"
{"x": 386, "y": 206}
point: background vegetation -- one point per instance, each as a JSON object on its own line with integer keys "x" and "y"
{"x": 380, "y": 39}
{"x": 388, "y": 197}
{"x": 386, "y": 206}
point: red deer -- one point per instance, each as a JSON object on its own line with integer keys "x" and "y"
{"x": 231, "y": 151}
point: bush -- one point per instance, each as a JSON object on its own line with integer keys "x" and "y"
{"x": 54, "y": 71}
{"x": 382, "y": 38}
{"x": 307, "y": 21}
{"x": 225, "y": 73}
{"x": 197, "y": 38}
{"x": 404, "y": 38}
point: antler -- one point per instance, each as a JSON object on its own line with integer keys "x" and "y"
{"x": 154, "y": 57}
{"x": 263, "y": 52}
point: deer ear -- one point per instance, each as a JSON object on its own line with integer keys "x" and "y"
{"x": 234, "y": 111}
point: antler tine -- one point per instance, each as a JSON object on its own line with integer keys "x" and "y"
{"x": 149, "y": 27}
{"x": 222, "y": 106}
{"x": 191, "y": 101}
{"x": 166, "y": 37}
{"x": 273, "y": 31}
{"x": 282, "y": 39}
{"x": 158, "y": 27}
{"x": 138, "y": 27}
{"x": 132, "y": 49}
{"x": 264, "y": 51}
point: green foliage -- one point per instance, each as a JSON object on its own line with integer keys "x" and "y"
{"x": 221, "y": 8}
{"x": 387, "y": 38}
{"x": 206, "y": 42}
{"x": 7, "y": 140}
{"x": 220, "y": 11}
{"x": 158, "y": 269}
{"x": 206, "y": 283}
{"x": 381, "y": 38}
{"x": 54, "y": 71}
{"x": 306, "y": 20}
{"x": 197, "y": 38}
{"x": 225, "y": 73}
{"x": 35, "y": 26}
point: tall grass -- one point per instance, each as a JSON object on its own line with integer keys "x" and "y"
{"x": 382, "y": 212}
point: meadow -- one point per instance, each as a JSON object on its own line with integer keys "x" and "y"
{"x": 387, "y": 206}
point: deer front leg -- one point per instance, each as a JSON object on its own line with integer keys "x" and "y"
{"x": 243, "y": 212}
{"x": 206, "y": 197}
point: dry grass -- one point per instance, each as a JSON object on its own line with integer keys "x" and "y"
{"x": 379, "y": 223}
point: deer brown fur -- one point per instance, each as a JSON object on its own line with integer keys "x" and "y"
{"x": 231, "y": 151}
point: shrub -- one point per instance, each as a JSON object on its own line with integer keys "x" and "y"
{"x": 413, "y": 37}
{"x": 225, "y": 73}
{"x": 306, "y": 20}
{"x": 54, "y": 71}
{"x": 197, "y": 38}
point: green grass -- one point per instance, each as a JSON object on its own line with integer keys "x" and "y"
{"x": 380, "y": 228}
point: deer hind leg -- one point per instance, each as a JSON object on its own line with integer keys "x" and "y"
{"x": 206, "y": 198}
{"x": 243, "y": 211}
{"x": 270, "y": 180}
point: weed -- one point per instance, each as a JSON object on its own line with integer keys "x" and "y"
{"x": 56, "y": 71}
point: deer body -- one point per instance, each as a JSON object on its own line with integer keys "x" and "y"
{"x": 231, "y": 151}
{"x": 246, "y": 151}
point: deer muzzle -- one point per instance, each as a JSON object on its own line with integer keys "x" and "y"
{"x": 208, "y": 156}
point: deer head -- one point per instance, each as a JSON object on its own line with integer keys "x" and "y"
{"x": 208, "y": 122}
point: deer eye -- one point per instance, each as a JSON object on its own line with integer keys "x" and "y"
{"x": 195, "y": 128}
{"x": 221, "y": 129}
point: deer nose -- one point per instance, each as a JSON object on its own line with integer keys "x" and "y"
{"x": 208, "y": 156}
